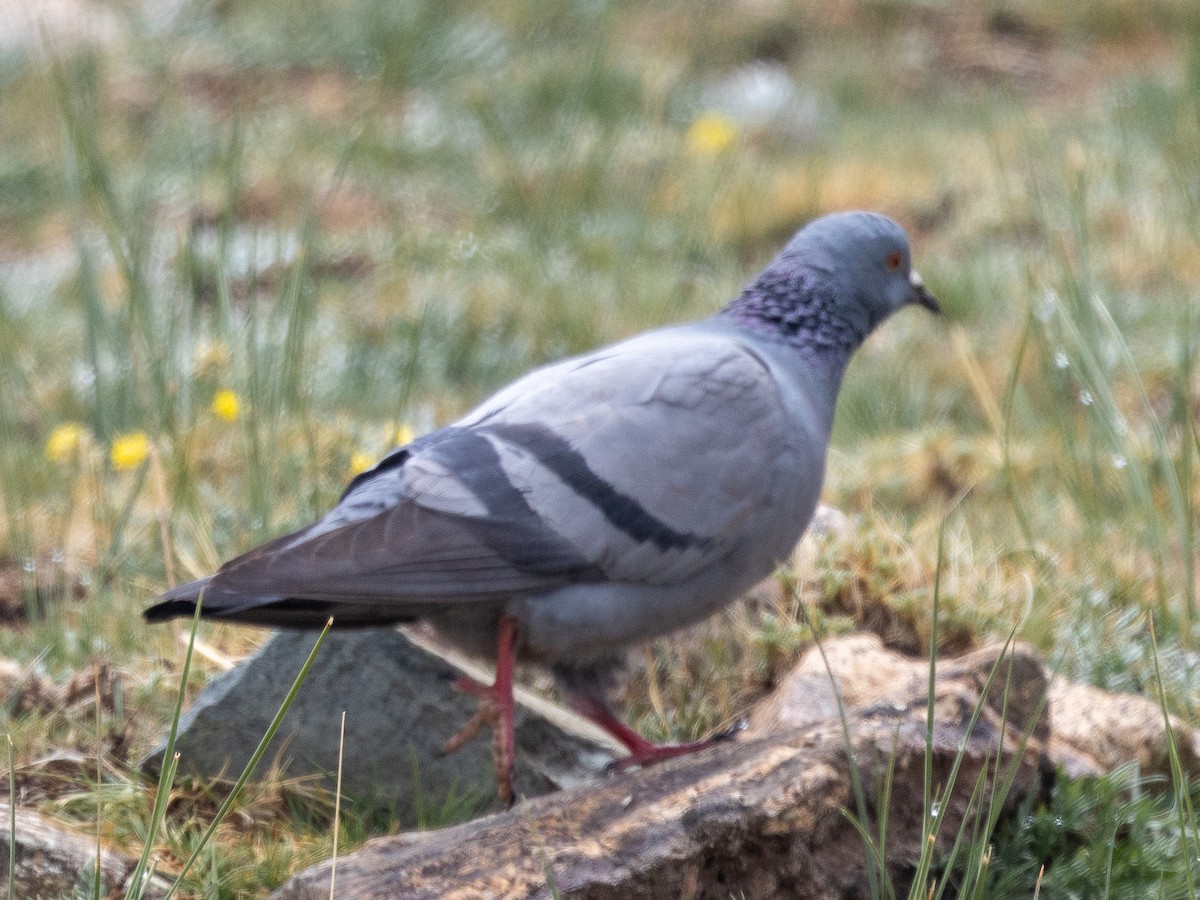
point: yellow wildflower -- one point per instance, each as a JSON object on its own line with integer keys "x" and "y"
{"x": 225, "y": 405}
{"x": 710, "y": 134}
{"x": 130, "y": 450}
{"x": 360, "y": 461}
{"x": 63, "y": 442}
{"x": 404, "y": 434}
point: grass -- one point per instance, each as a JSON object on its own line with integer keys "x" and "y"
{"x": 364, "y": 216}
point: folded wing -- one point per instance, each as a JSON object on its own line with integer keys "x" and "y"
{"x": 640, "y": 463}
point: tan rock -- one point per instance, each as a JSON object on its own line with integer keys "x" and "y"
{"x": 867, "y": 673}
{"x": 758, "y": 818}
{"x": 53, "y": 861}
{"x": 1096, "y": 731}
{"x": 1088, "y": 731}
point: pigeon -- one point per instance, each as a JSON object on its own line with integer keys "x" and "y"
{"x": 598, "y": 502}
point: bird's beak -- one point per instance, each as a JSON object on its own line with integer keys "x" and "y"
{"x": 921, "y": 295}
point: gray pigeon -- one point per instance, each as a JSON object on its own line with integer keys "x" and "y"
{"x": 601, "y": 501}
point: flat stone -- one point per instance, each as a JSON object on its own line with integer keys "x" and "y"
{"x": 400, "y": 709}
{"x": 1086, "y": 731}
{"x": 867, "y": 673}
{"x": 759, "y": 818}
{"x": 1096, "y": 731}
{"x": 52, "y": 861}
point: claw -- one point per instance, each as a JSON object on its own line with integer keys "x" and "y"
{"x": 469, "y": 731}
{"x": 495, "y": 709}
{"x": 730, "y": 732}
{"x": 641, "y": 751}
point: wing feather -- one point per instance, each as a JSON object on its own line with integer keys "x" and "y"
{"x": 640, "y": 463}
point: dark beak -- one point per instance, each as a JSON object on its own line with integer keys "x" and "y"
{"x": 921, "y": 295}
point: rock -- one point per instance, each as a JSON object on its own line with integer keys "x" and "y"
{"x": 759, "y": 818}
{"x": 54, "y": 862}
{"x": 1096, "y": 731}
{"x": 1087, "y": 731}
{"x": 764, "y": 816}
{"x": 867, "y": 673}
{"x": 400, "y": 709}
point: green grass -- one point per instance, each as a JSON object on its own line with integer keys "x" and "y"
{"x": 367, "y": 214}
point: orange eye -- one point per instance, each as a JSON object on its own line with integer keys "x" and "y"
{"x": 895, "y": 260}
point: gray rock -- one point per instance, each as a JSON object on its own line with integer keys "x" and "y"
{"x": 400, "y": 709}
{"x": 52, "y": 861}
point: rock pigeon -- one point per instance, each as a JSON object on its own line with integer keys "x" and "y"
{"x": 601, "y": 501}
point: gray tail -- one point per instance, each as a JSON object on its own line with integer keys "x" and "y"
{"x": 177, "y": 602}
{"x": 270, "y": 611}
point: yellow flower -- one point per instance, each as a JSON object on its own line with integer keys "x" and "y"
{"x": 130, "y": 450}
{"x": 710, "y": 134}
{"x": 225, "y": 405}
{"x": 360, "y": 461}
{"x": 63, "y": 442}
{"x": 404, "y": 434}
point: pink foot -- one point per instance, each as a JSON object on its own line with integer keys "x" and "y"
{"x": 495, "y": 709}
{"x": 641, "y": 751}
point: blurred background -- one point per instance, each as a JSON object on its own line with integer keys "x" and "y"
{"x": 249, "y": 246}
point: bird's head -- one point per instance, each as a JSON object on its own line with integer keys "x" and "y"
{"x": 864, "y": 257}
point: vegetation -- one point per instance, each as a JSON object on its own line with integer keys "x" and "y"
{"x": 247, "y": 248}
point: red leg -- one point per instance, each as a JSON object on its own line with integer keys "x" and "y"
{"x": 641, "y": 751}
{"x": 495, "y": 708}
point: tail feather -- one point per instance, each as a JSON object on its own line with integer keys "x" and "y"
{"x": 179, "y": 601}
{"x": 216, "y": 601}
{"x": 270, "y": 611}
{"x": 169, "y": 609}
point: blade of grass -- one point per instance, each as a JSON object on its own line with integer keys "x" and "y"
{"x": 540, "y": 844}
{"x": 1010, "y": 399}
{"x": 876, "y": 880}
{"x": 875, "y": 861}
{"x": 1186, "y": 403}
{"x": 885, "y": 803}
{"x": 1180, "y": 502}
{"x": 1001, "y": 783}
{"x": 928, "y": 812}
{"x": 1179, "y": 779}
{"x": 99, "y": 793}
{"x": 12, "y": 821}
{"x": 973, "y": 874}
{"x": 166, "y": 776}
{"x": 934, "y": 823}
{"x": 116, "y": 547}
{"x": 337, "y": 808}
{"x": 253, "y": 762}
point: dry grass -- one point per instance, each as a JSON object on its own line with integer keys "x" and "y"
{"x": 358, "y": 221}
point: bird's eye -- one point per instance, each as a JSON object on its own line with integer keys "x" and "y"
{"x": 895, "y": 261}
